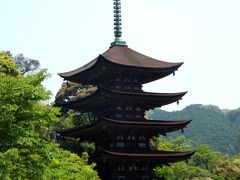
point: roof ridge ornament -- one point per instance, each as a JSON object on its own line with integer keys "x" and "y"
{"x": 117, "y": 24}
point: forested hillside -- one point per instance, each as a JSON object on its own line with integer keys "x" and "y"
{"x": 210, "y": 125}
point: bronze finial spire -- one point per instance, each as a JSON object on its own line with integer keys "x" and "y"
{"x": 117, "y": 24}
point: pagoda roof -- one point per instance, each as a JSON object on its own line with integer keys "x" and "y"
{"x": 121, "y": 56}
{"x": 106, "y": 124}
{"x": 146, "y": 122}
{"x": 155, "y": 155}
{"x": 103, "y": 96}
{"x": 128, "y": 57}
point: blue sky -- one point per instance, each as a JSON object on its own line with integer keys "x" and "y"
{"x": 66, "y": 34}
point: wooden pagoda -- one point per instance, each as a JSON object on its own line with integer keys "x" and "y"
{"x": 121, "y": 133}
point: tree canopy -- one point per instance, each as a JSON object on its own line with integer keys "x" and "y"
{"x": 26, "y": 152}
{"x": 71, "y": 91}
{"x": 7, "y": 66}
{"x": 26, "y": 64}
{"x": 204, "y": 164}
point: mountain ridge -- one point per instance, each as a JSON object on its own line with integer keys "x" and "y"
{"x": 211, "y": 125}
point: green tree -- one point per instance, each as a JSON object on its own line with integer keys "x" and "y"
{"x": 72, "y": 119}
{"x": 181, "y": 171}
{"x": 7, "y": 66}
{"x": 205, "y": 157}
{"x": 180, "y": 143}
{"x": 26, "y": 64}
{"x": 25, "y": 149}
{"x": 197, "y": 166}
{"x": 71, "y": 91}
{"x": 228, "y": 168}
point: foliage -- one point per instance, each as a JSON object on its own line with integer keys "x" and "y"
{"x": 205, "y": 157}
{"x": 233, "y": 116}
{"x": 7, "y": 66}
{"x": 181, "y": 171}
{"x": 21, "y": 108}
{"x": 69, "y": 118}
{"x": 71, "y": 91}
{"x": 26, "y": 64}
{"x": 228, "y": 168}
{"x": 88, "y": 147}
{"x": 66, "y": 120}
{"x": 25, "y": 149}
{"x": 206, "y": 120}
{"x": 72, "y": 119}
{"x": 35, "y": 158}
{"x": 204, "y": 164}
{"x": 179, "y": 143}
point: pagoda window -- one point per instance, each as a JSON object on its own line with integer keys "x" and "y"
{"x": 119, "y": 108}
{"x": 111, "y": 145}
{"x": 131, "y": 145}
{"x": 142, "y": 145}
{"x": 138, "y": 116}
{"x": 117, "y": 86}
{"x": 121, "y": 177}
{"x": 138, "y": 109}
{"x": 128, "y": 108}
{"x": 128, "y": 87}
{"x": 142, "y": 138}
{"x": 120, "y": 145}
{"x": 119, "y": 115}
{"x": 117, "y": 79}
{"x": 129, "y": 116}
{"x": 136, "y": 88}
{"x": 122, "y": 167}
{"x": 145, "y": 178}
{"x": 127, "y": 80}
{"x": 120, "y": 137}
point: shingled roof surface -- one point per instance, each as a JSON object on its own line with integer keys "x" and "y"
{"x": 126, "y": 56}
{"x": 123, "y": 55}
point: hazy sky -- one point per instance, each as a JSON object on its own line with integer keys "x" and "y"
{"x": 66, "y": 34}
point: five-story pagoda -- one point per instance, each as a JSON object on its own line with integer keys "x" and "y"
{"x": 120, "y": 131}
